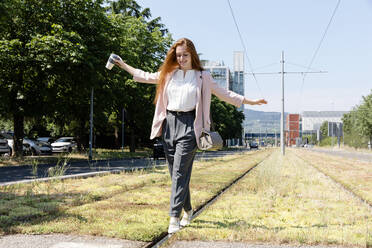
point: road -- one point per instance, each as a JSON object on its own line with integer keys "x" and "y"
{"x": 366, "y": 157}
{"x": 25, "y": 172}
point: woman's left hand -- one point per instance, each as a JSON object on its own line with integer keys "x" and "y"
{"x": 254, "y": 102}
{"x": 261, "y": 101}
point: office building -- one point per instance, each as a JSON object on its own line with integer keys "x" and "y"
{"x": 219, "y": 71}
{"x": 238, "y": 79}
{"x": 292, "y": 133}
{"x": 312, "y": 120}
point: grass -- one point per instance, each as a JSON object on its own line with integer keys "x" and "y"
{"x": 346, "y": 148}
{"x": 288, "y": 202}
{"x": 128, "y": 205}
{"x": 353, "y": 174}
{"x": 98, "y": 154}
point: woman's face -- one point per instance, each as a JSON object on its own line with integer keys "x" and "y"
{"x": 183, "y": 57}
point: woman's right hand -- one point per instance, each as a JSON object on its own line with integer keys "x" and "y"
{"x": 120, "y": 63}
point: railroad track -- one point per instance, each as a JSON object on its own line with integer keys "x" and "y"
{"x": 163, "y": 237}
{"x": 339, "y": 184}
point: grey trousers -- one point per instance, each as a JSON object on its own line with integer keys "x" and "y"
{"x": 180, "y": 147}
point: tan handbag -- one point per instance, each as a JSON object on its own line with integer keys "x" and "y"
{"x": 209, "y": 140}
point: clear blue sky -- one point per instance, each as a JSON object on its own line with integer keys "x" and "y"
{"x": 270, "y": 26}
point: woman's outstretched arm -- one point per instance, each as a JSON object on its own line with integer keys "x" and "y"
{"x": 131, "y": 70}
{"x": 254, "y": 102}
{"x": 138, "y": 75}
{"x": 230, "y": 96}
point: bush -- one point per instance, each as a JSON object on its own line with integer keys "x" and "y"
{"x": 355, "y": 140}
{"x": 5, "y": 221}
{"x": 327, "y": 141}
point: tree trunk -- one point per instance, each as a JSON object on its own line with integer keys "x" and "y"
{"x": 116, "y": 134}
{"x": 17, "y": 148}
{"x": 132, "y": 147}
{"x": 80, "y": 136}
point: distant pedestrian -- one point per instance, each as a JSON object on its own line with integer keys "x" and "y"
{"x": 183, "y": 93}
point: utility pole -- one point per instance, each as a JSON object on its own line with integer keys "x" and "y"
{"x": 282, "y": 145}
{"x": 282, "y": 72}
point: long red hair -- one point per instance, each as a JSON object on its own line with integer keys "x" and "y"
{"x": 170, "y": 63}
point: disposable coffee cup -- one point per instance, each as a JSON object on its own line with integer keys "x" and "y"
{"x": 110, "y": 62}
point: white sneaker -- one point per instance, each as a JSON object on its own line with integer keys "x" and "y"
{"x": 186, "y": 219}
{"x": 174, "y": 225}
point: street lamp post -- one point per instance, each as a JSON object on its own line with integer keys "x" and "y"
{"x": 122, "y": 132}
{"x": 91, "y": 125}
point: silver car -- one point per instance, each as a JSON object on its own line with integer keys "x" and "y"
{"x": 38, "y": 147}
{"x": 27, "y": 146}
{"x": 4, "y": 147}
{"x": 64, "y": 144}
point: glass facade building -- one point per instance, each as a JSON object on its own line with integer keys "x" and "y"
{"x": 220, "y": 73}
{"x": 238, "y": 81}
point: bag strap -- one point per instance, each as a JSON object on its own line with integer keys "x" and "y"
{"x": 210, "y": 114}
{"x": 201, "y": 95}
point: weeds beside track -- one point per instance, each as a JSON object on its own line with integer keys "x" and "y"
{"x": 339, "y": 183}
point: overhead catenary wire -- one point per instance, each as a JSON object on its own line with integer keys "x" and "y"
{"x": 244, "y": 48}
{"x": 318, "y": 47}
{"x": 323, "y": 37}
{"x": 264, "y": 66}
{"x": 302, "y": 66}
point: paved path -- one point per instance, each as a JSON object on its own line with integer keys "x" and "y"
{"x": 362, "y": 156}
{"x": 72, "y": 241}
{"x": 65, "y": 241}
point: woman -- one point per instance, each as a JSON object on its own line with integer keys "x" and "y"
{"x": 183, "y": 95}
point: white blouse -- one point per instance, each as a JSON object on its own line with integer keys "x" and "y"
{"x": 182, "y": 91}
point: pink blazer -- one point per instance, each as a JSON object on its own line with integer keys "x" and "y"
{"x": 209, "y": 87}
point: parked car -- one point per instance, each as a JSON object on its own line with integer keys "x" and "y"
{"x": 64, "y": 144}
{"x": 253, "y": 145}
{"x": 37, "y": 147}
{"x": 4, "y": 147}
{"x": 9, "y": 138}
{"x": 158, "y": 149}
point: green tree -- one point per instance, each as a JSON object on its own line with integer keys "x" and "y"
{"x": 358, "y": 124}
{"x": 53, "y": 53}
{"x": 324, "y": 129}
{"x": 364, "y": 117}
{"x": 352, "y": 136}
{"x": 142, "y": 43}
{"x": 33, "y": 50}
